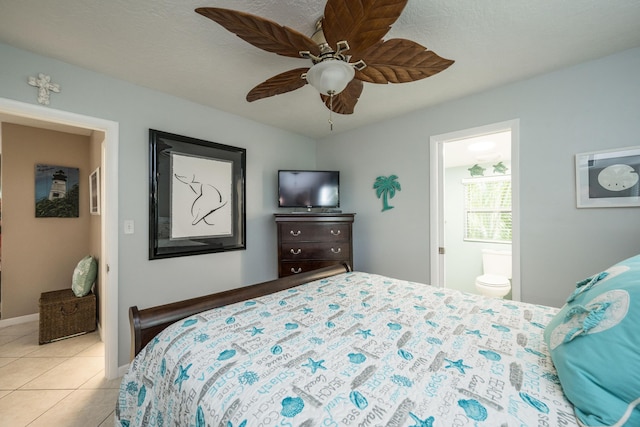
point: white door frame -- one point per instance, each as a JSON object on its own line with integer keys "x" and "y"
{"x": 109, "y": 219}
{"x": 436, "y": 203}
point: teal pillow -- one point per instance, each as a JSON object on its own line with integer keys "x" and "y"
{"x": 84, "y": 275}
{"x": 594, "y": 343}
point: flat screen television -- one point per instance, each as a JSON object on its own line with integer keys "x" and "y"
{"x": 308, "y": 189}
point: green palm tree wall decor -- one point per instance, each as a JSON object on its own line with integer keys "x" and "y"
{"x": 386, "y": 187}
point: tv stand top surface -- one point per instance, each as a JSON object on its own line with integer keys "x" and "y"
{"x": 284, "y": 216}
{"x": 315, "y": 211}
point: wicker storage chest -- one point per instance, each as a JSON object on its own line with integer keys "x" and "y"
{"x": 63, "y": 314}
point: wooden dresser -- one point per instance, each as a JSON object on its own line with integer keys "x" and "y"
{"x": 307, "y": 241}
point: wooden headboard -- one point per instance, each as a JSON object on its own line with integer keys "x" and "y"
{"x": 147, "y": 323}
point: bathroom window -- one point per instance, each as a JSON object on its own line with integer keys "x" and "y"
{"x": 487, "y": 205}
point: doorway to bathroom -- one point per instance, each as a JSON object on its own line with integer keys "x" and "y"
{"x": 474, "y": 208}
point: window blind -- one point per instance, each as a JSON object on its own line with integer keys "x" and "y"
{"x": 488, "y": 209}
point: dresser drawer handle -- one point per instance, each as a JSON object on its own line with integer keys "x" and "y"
{"x": 336, "y": 251}
{"x": 295, "y": 251}
{"x": 335, "y": 233}
{"x": 296, "y": 270}
{"x": 295, "y": 233}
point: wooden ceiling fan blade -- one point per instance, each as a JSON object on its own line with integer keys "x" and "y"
{"x": 279, "y": 84}
{"x": 344, "y": 102}
{"x": 400, "y": 61}
{"x": 260, "y": 32}
{"x": 362, "y": 23}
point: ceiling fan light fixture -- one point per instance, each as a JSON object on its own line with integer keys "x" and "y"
{"x": 330, "y": 76}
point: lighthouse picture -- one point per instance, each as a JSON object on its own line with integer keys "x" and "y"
{"x": 57, "y": 191}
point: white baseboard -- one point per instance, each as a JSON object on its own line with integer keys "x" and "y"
{"x": 20, "y": 319}
{"x": 123, "y": 370}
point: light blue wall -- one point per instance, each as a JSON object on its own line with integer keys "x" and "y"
{"x": 136, "y": 109}
{"x": 589, "y": 107}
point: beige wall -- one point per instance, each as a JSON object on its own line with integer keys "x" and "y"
{"x": 39, "y": 254}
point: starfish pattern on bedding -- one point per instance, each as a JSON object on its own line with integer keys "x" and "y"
{"x": 458, "y": 364}
{"x": 314, "y": 365}
{"x": 255, "y": 331}
{"x": 365, "y": 333}
{"x": 427, "y": 422}
{"x": 182, "y": 375}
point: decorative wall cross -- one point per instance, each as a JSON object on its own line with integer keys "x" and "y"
{"x": 44, "y": 85}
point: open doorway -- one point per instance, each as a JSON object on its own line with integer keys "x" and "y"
{"x": 474, "y": 210}
{"x": 38, "y": 116}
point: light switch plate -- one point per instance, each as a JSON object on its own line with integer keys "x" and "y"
{"x": 128, "y": 226}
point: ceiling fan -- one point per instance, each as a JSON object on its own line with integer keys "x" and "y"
{"x": 346, "y": 50}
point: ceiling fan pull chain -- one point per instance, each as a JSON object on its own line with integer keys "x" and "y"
{"x": 330, "y": 111}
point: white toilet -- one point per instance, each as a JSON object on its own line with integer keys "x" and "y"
{"x": 496, "y": 266}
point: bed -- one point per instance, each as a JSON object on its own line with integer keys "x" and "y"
{"x": 340, "y": 348}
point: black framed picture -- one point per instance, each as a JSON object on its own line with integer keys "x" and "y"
{"x": 609, "y": 178}
{"x": 57, "y": 191}
{"x": 196, "y": 196}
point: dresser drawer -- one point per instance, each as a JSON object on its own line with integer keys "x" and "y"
{"x": 318, "y": 232}
{"x": 289, "y": 268}
{"x": 339, "y": 251}
{"x": 310, "y": 241}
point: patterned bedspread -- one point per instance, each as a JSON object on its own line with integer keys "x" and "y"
{"x": 356, "y": 349}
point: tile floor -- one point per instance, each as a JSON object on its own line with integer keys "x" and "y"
{"x": 58, "y": 384}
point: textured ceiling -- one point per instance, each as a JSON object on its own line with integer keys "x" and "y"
{"x": 165, "y": 45}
